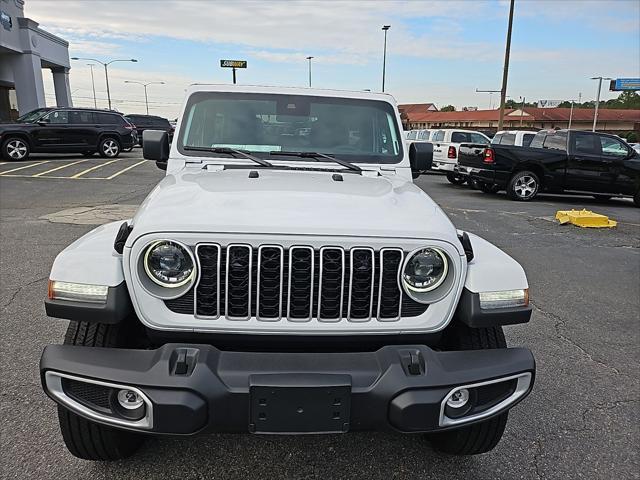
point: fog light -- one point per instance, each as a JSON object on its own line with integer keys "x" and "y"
{"x": 129, "y": 399}
{"x": 458, "y": 399}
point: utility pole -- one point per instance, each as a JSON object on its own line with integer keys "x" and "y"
{"x": 385, "y": 28}
{"x": 505, "y": 73}
{"x": 570, "y": 116}
{"x": 521, "y": 111}
{"x": 309, "y": 58}
{"x": 93, "y": 85}
{"x": 595, "y": 114}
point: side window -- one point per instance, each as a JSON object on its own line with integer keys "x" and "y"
{"x": 612, "y": 147}
{"x": 105, "y": 118}
{"x": 459, "y": 137}
{"x": 496, "y": 139}
{"x": 477, "y": 138}
{"x": 556, "y": 141}
{"x": 586, "y": 144}
{"x": 58, "y": 117}
{"x": 438, "y": 136}
{"x": 80, "y": 117}
{"x": 526, "y": 139}
{"x": 412, "y": 135}
{"x": 538, "y": 140}
{"x": 508, "y": 139}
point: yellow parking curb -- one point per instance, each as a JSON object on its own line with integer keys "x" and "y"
{"x": 584, "y": 218}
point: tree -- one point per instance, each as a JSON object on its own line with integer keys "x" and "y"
{"x": 448, "y": 108}
{"x": 511, "y": 103}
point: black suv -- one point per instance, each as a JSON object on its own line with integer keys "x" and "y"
{"x": 66, "y": 130}
{"x": 150, "y": 122}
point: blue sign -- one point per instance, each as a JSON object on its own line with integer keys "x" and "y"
{"x": 625, "y": 84}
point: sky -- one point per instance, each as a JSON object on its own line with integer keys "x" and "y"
{"x": 437, "y": 51}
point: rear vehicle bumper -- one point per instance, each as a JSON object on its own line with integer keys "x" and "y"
{"x": 441, "y": 166}
{"x": 192, "y": 388}
{"x": 484, "y": 175}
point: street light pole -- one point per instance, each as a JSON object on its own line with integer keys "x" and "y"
{"x": 385, "y": 28}
{"x": 106, "y": 72}
{"x": 522, "y": 110}
{"x": 309, "y": 58}
{"x": 505, "y": 73}
{"x": 595, "y": 114}
{"x": 145, "y": 85}
{"x": 93, "y": 86}
{"x": 570, "y": 116}
{"x": 490, "y": 92}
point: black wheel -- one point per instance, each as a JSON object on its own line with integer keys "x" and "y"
{"x": 523, "y": 186}
{"x": 488, "y": 187}
{"x": 109, "y": 147}
{"x": 15, "y": 149}
{"x": 88, "y": 154}
{"x": 602, "y": 198}
{"x": 479, "y": 437}
{"x": 83, "y": 438}
{"x": 456, "y": 178}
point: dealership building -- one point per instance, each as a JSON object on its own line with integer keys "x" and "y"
{"x": 25, "y": 52}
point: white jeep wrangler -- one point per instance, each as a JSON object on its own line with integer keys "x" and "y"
{"x": 286, "y": 276}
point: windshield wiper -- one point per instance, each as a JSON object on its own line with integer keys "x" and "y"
{"x": 229, "y": 151}
{"x": 315, "y": 156}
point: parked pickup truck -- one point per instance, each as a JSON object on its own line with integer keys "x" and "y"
{"x": 519, "y": 138}
{"x": 563, "y": 161}
{"x": 446, "y": 144}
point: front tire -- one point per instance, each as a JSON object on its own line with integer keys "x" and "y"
{"x": 86, "y": 439}
{"x": 456, "y": 178}
{"x": 480, "y": 437}
{"x": 15, "y": 149}
{"x": 109, "y": 147}
{"x": 523, "y": 186}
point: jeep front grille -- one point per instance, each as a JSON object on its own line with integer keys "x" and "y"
{"x": 298, "y": 284}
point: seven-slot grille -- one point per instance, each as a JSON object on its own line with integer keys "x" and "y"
{"x": 298, "y": 284}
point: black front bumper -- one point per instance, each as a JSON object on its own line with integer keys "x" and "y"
{"x": 197, "y": 388}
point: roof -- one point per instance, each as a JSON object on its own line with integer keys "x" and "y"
{"x": 359, "y": 94}
{"x": 538, "y": 114}
{"x": 410, "y": 108}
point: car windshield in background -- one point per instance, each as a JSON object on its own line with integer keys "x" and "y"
{"x": 352, "y": 129}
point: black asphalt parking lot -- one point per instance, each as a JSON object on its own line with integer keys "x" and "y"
{"x": 581, "y": 421}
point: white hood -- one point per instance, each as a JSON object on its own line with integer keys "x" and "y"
{"x": 291, "y": 202}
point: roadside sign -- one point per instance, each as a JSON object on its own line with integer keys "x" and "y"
{"x": 624, "y": 84}
{"x": 233, "y": 63}
{"x": 549, "y": 103}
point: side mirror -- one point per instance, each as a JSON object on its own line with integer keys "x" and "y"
{"x": 42, "y": 123}
{"x": 420, "y": 158}
{"x": 155, "y": 146}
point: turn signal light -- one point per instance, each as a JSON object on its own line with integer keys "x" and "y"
{"x": 489, "y": 155}
{"x": 77, "y": 292}
{"x": 452, "y": 152}
{"x": 504, "y": 299}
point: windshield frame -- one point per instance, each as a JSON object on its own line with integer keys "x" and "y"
{"x": 385, "y": 106}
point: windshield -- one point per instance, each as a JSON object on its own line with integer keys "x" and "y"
{"x": 355, "y": 130}
{"x": 33, "y": 115}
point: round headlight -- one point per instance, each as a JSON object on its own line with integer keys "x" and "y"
{"x": 169, "y": 264}
{"x": 425, "y": 270}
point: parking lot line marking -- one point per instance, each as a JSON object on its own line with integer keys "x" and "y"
{"x": 53, "y": 177}
{"x": 23, "y": 167}
{"x": 104, "y": 164}
{"x": 125, "y": 170}
{"x": 58, "y": 168}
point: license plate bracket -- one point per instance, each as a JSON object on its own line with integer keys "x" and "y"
{"x": 300, "y": 406}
